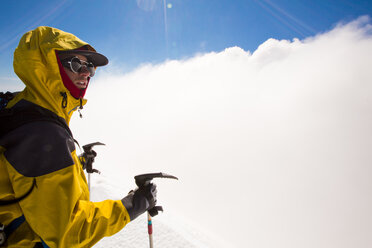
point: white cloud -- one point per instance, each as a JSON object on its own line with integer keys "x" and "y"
{"x": 272, "y": 148}
{"x": 11, "y": 84}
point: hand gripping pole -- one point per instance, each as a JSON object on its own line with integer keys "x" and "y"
{"x": 143, "y": 180}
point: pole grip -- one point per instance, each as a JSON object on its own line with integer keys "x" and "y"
{"x": 149, "y": 229}
{"x": 149, "y": 226}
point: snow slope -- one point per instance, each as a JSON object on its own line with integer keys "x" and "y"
{"x": 168, "y": 231}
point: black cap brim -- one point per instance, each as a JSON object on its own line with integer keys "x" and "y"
{"x": 96, "y": 58}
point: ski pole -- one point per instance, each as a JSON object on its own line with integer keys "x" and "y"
{"x": 143, "y": 180}
{"x": 89, "y": 155}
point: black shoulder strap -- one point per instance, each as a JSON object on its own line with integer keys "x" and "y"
{"x": 22, "y": 113}
{"x": 25, "y": 112}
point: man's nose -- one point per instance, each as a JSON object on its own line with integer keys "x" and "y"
{"x": 84, "y": 71}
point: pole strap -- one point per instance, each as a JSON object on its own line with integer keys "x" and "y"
{"x": 9, "y": 229}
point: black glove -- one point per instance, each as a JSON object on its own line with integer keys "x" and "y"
{"x": 139, "y": 201}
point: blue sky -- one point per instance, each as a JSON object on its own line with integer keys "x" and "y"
{"x": 133, "y": 32}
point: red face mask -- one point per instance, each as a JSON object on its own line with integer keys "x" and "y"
{"x": 75, "y": 91}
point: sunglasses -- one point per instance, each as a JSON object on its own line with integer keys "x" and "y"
{"x": 75, "y": 65}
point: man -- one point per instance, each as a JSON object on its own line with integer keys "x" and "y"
{"x": 43, "y": 190}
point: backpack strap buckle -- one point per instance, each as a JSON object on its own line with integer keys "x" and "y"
{"x": 2, "y": 234}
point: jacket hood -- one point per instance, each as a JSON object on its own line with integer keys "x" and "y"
{"x": 36, "y": 64}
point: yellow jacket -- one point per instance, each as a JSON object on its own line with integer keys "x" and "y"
{"x": 58, "y": 211}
